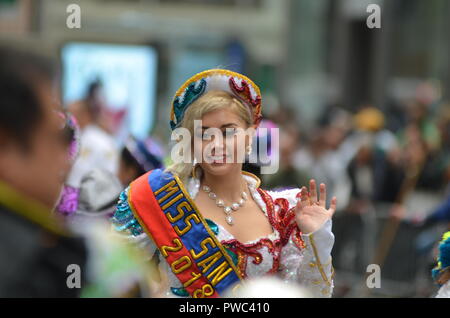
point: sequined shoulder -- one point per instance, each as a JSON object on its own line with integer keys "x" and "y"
{"x": 123, "y": 219}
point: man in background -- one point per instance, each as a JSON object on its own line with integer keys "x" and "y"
{"x": 35, "y": 250}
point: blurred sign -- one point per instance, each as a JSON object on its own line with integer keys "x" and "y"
{"x": 127, "y": 74}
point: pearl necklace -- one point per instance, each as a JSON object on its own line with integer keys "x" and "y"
{"x": 221, "y": 204}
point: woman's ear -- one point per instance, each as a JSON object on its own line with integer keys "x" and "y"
{"x": 251, "y": 132}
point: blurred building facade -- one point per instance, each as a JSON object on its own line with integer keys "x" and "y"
{"x": 305, "y": 54}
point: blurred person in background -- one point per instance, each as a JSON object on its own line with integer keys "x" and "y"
{"x": 98, "y": 188}
{"x": 287, "y": 176}
{"x": 114, "y": 269}
{"x": 98, "y": 149}
{"x": 137, "y": 157}
{"x": 35, "y": 249}
{"x": 355, "y": 227}
{"x": 442, "y": 169}
{"x": 69, "y": 195}
{"x": 40, "y": 255}
{"x": 418, "y": 115}
{"x": 327, "y": 153}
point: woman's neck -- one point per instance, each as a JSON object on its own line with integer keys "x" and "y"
{"x": 227, "y": 187}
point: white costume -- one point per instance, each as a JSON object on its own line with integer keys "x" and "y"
{"x": 306, "y": 261}
{"x": 97, "y": 150}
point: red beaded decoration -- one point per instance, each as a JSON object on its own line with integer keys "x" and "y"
{"x": 251, "y": 250}
{"x": 244, "y": 93}
{"x": 282, "y": 221}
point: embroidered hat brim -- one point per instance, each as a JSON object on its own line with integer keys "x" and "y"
{"x": 234, "y": 83}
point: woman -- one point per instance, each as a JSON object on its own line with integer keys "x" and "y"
{"x": 137, "y": 157}
{"x": 210, "y": 222}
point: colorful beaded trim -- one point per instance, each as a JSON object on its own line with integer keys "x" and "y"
{"x": 216, "y": 79}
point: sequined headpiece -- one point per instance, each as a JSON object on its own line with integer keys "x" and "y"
{"x": 234, "y": 83}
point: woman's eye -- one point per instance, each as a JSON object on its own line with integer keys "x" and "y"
{"x": 202, "y": 135}
{"x": 229, "y": 132}
{"x": 206, "y": 137}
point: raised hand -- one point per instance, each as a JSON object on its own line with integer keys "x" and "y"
{"x": 311, "y": 213}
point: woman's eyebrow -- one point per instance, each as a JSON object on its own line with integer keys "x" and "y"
{"x": 223, "y": 126}
{"x": 228, "y": 125}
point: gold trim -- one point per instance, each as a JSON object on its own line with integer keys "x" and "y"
{"x": 30, "y": 209}
{"x": 258, "y": 181}
{"x": 319, "y": 265}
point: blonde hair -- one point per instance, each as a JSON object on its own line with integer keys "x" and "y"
{"x": 210, "y": 101}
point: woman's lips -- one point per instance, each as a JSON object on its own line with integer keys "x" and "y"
{"x": 218, "y": 159}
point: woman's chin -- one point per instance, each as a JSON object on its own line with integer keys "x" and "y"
{"x": 219, "y": 169}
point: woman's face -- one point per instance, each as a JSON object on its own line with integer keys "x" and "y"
{"x": 220, "y": 142}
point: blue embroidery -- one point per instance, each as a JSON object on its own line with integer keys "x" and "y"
{"x": 213, "y": 226}
{"x": 191, "y": 94}
{"x": 123, "y": 219}
{"x": 181, "y": 292}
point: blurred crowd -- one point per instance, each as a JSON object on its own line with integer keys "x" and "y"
{"x": 390, "y": 171}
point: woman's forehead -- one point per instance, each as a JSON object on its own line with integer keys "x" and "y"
{"x": 221, "y": 117}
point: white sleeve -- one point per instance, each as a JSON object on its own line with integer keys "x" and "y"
{"x": 310, "y": 265}
{"x": 306, "y": 258}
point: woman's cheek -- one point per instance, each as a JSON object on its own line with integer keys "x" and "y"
{"x": 240, "y": 148}
{"x": 198, "y": 149}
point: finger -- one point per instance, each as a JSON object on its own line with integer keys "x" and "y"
{"x": 312, "y": 190}
{"x": 333, "y": 204}
{"x": 322, "y": 195}
{"x": 304, "y": 201}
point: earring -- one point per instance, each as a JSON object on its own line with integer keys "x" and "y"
{"x": 249, "y": 149}
{"x": 194, "y": 166}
